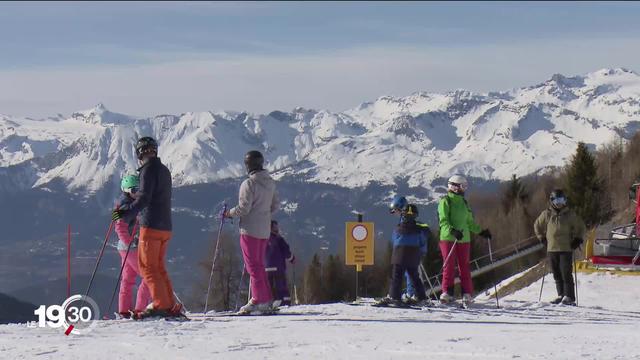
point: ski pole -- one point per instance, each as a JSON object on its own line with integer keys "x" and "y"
{"x": 293, "y": 280}
{"x": 544, "y": 274}
{"x": 124, "y": 262}
{"x": 495, "y": 287}
{"x": 95, "y": 269}
{"x": 181, "y": 303}
{"x": 450, "y": 252}
{"x": 426, "y": 277}
{"x": 239, "y": 287}
{"x": 575, "y": 275}
{"x": 215, "y": 255}
{"x": 446, "y": 260}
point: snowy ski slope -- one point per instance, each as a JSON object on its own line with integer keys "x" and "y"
{"x": 605, "y": 326}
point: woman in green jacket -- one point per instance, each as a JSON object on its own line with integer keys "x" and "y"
{"x": 456, "y": 226}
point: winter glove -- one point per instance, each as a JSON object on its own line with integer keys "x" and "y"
{"x": 117, "y": 214}
{"x": 485, "y": 233}
{"x": 292, "y": 259}
{"x": 576, "y": 243}
{"x": 457, "y": 234}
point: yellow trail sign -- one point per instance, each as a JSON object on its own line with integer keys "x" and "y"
{"x": 359, "y": 244}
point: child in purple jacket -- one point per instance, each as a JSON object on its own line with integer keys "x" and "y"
{"x": 276, "y": 256}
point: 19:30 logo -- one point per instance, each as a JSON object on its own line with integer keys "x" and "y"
{"x": 76, "y": 315}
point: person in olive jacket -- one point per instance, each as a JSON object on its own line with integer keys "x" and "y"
{"x": 563, "y": 230}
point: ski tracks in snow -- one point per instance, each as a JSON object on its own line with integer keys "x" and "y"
{"x": 520, "y": 329}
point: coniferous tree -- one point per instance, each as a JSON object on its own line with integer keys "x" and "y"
{"x": 334, "y": 280}
{"x": 584, "y": 188}
{"x": 514, "y": 192}
{"x": 313, "y": 289}
{"x": 225, "y": 283}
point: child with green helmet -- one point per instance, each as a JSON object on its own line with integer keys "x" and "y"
{"x": 124, "y": 228}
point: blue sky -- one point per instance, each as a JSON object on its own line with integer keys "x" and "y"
{"x": 148, "y": 58}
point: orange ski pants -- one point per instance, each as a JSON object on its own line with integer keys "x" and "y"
{"x": 152, "y": 250}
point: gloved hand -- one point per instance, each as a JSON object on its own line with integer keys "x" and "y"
{"x": 485, "y": 233}
{"x": 457, "y": 234}
{"x": 576, "y": 243}
{"x": 292, "y": 260}
{"x": 117, "y": 214}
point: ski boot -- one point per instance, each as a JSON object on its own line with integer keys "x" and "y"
{"x": 409, "y": 300}
{"x": 467, "y": 300}
{"x": 557, "y": 300}
{"x": 123, "y": 315}
{"x": 445, "y": 298}
{"x": 177, "y": 312}
{"x": 388, "y": 301}
{"x": 568, "y": 301}
{"x": 174, "y": 313}
{"x": 275, "y": 304}
{"x": 150, "y": 313}
{"x": 253, "y": 308}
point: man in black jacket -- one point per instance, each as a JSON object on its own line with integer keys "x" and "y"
{"x": 153, "y": 205}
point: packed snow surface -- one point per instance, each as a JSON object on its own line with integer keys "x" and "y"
{"x": 605, "y": 326}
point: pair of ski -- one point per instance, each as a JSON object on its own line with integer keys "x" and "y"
{"x": 274, "y": 310}
{"x": 136, "y": 317}
{"x": 414, "y": 307}
{"x": 250, "y": 313}
{"x": 189, "y": 318}
{"x": 573, "y": 304}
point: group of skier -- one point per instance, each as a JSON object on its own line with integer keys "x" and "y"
{"x": 558, "y": 226}
{"x": 410, "y": 240}
{"x": 146, "y": 202}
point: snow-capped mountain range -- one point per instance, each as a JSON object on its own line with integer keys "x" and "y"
{"x": 422, "y": 137}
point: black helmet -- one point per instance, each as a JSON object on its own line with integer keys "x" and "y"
{"x": 557, "y": 198}
{"x": 411, "y": 211}
{"x": 145, "y": 145}
{"x": 253, "y": 161}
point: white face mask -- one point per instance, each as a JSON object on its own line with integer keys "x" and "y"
{"x": 456, "y": 188}
{"x": 559, "y": 202}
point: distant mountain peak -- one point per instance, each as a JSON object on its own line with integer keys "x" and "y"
{"x": 99, "y": 114}
{"x": 564, "y": 81}
{"x": 615, "y": 71}
{"x": 423, "y": 136}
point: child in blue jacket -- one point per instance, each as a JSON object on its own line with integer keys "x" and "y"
{"x": 409, "y": 244}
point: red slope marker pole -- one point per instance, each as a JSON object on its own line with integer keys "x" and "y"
{"x": 68, "y": 260}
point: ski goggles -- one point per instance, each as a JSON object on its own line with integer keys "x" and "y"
{"x": 559, "y": 201}
{"x": 132, "y": 190}
{"x": 456, "y": 186}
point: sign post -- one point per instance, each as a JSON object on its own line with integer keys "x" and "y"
{"x": 359, "y": 245}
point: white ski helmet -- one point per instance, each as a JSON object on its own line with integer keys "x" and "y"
{"x": 457, "y": 183}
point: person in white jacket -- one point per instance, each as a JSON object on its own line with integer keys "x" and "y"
{"x": 257, "y": 201}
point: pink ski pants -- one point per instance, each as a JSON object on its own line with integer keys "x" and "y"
{"x": 253, "y": 252}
